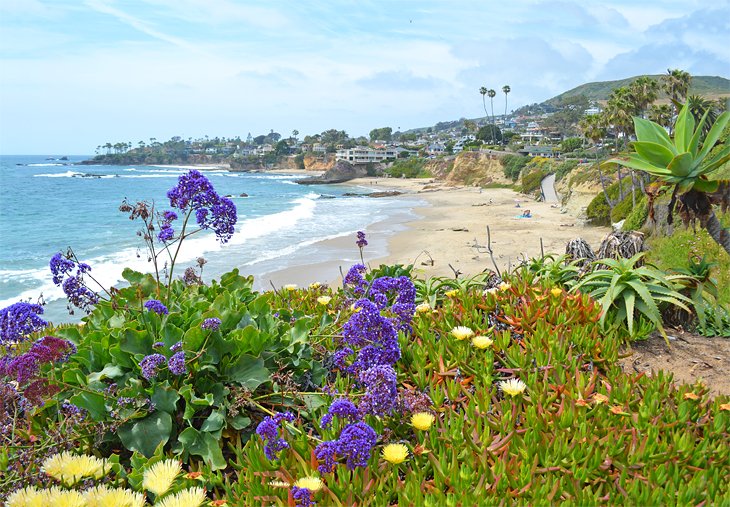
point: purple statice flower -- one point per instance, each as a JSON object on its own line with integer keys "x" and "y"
{"x": 176, "y": 363}
{"x": 18, "y": 321}
{"x": 403, "y": 294}
{"x": 381, "y": 390}
{"x": 339, "y": 358}
{"x": 50, "y": 349}
{"x": 60, "y": 266}
{"x": 79, "y": 294}
{"x": 166, "y": 233}
{"x": 83, "y": 268}
{"x": 194, "y": 192}
{"x": 176, "y": 346}
{"x": 169, "y": 216}
{"x": 355, "y": 444}
{"x": 355, "y": 280}
{"x": 343, "y": 409}
{"x": 156, "y": 306}
{"x": 212, "y": 323}
{"x": 38, "y": 391}
{"x": 377, "y": 336}
{"x": 361, "y": 241}
{"x": 149, "y": 365}
{"x": 158, "y": 345}
{"x": 302, "y": 496}
{"x": 268, "y": 430}
{"x": 23, "y": 368}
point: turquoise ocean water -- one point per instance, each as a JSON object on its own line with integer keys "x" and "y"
{"x": 47, "y": 206}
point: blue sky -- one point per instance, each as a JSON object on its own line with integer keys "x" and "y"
{"x": 76, "y": 74}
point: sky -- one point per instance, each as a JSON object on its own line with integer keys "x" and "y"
{"x": 77, "y": 74}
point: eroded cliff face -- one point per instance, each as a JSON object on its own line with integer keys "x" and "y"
{"x": 578, "y": 188}
{"x": 319, "y": 162}
{"x": 477, "y": 169}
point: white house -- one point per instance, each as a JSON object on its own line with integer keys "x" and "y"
{"x": 364, "y": 155}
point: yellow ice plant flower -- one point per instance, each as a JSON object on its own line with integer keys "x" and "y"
{"x": 504, "y": 286}
{"x": 462, "y": 332}
{"x": 103, "y": 496}
{"x": 192, "y": 497}
{"x": 493, "y": 290}
{"x": 27, "y": 497}
{"x": 70, "y": 469}
{"x": 395, "y": 453}
{"x": 599, "y": 398}
{"x": 159, "y": 477}
{"x": 482, "y": 342}
{"x": 451, "y": 293}
{"x": 423, "y": 308}
{"x": 422, "y": 420}
{"x": 315, "y": 285}
{"x": 278, "y": 484}
{"x": 324, "y": 300}
{"x": 289, "y": 286}
{"x": 512, "y": 387}
{"x": 311, "y": 483}
{"x": 556, "y": 291}
{"x": 58, "y": 497}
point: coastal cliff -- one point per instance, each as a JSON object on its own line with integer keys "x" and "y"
{"x": 477, "y": 169}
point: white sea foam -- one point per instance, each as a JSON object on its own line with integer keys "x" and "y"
{"x": 45, "y": 165}
{"x": 67, "y": 174}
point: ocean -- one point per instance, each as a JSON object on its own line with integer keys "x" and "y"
{"x": 48, "y": 205}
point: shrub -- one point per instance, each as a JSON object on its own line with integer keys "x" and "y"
{"x": 571, "y": 144}
{"x": 564, "y": 168}
{"x": 531, "y": 179}
{"x": 408, "y": 168}
{"x": 638, "y": 215}
{"x": 512, "y": 165}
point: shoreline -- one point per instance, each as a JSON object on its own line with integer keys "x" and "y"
{"x": 448, "y": 227}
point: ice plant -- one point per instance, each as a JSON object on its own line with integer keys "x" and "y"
{"x": 482, "y": 342}
{"x": 191, "y": 497}
{"x": 462, "y": 332}
{"x": 313, "y": 484}
{"x": 103, "y": 496}
{"x": 512, "y": 387}
{"x": 69, "y": 468}
{"x": 423, "y": 308}
{"x": 324, "y": 300}
{"x": 395, "y": 453}
{"x": 158, "y": 478}
{"x": 422, "y": 420}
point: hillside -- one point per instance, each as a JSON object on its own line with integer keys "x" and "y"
{"x": 708, "y": 86}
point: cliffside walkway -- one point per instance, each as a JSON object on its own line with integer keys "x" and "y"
{"x": 547, "y": 186}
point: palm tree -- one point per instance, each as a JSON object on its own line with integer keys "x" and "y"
{"x": 683, "y": 164}
{"x": 699, "y": 106}
{"x": 661, "y": 114}
{"x": 676, "y": 84}
{"x": 492, "y": 94}
{"x": 483, "y": 91}
{"x": 593, "y": 128}
{"x": 505, "y": 89}
{"x": 644, "y": 91}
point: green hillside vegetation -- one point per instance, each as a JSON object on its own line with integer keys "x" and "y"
{"x": 710, "y": 86}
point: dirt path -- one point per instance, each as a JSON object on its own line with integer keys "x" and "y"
{"x": 691, "y": 358}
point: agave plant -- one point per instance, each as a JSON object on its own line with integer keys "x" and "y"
{"x": 684, "y": 164}
{"x": 560, "y": 270}
{"x": 699, "y": 285}
{"x": 625, "y": 290}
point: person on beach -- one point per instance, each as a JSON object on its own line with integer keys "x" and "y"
{"x": 526, "y": 214}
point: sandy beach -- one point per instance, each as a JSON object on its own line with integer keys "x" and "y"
{"x": 450, "y": 229}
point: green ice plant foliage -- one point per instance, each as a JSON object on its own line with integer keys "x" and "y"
{"x": 626, "y": 290}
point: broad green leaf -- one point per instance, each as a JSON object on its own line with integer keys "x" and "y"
{"x": 110, "y": 371}
{"x": 93, "y": 403}
{"x": 205, "y": 445}
{"x": 144, "y": 435}
{"x": 248, "y": 371}
{"x": 165, "y": 398}
{"x": 714, "y": 134}
{"x": 684, "y": 129}
{"x": 695, "y": 141}
{"x": 681, "y": 165}
{"x": 215, "y": 421}
{"x": 135, "y": 342}
{"x": 651, "y": 132}
{"x": 705, "y": 186}
{"x": 654, "y": 153}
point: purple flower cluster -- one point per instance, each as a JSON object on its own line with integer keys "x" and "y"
{"x": 24, "y": 367}
{"x": 361, "y": 241}
{"x": 150, "y": 364}
{"x": 403, "y": 294}
{"x": 78, "y": 294}
{"x": 213, "y": 324}
{"x": 194, "y": 192}
{"x": 355, "y": 445}
{"x": 374, "y": 334}
{"x": 381, "y": 390}
{"x": 343, "y": 409}
{"x": 176, "y": 363}
{"x": 268, "y": 430}
{"x": 166, "y": 231}
{"x": 156, "y": 306}
{"x": 355, "y": 281}
{"x": 18, "y": 321}
{"x": 303, "y": 496}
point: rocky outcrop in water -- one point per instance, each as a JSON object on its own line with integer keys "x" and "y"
{"x": 342, "y": 171}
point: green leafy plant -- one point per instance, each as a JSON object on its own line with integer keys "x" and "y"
{"x": 559, "y": 270}
{"x": 684, "y": 163}
{"x": 624, "y": 290}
